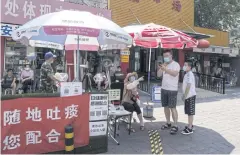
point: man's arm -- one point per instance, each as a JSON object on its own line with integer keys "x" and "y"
{"x": 172, "y": 72}
{"x": 53, "y": 78}
{"x": 50, "y": 73}
{"x": 159, "y": 73}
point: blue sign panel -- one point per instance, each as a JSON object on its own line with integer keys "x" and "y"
{"x": 156, "y": 94}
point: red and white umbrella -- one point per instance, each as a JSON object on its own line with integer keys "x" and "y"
{"x": 154, "y": 36}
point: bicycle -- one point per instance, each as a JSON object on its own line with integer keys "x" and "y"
{"x": 233, "y": 79}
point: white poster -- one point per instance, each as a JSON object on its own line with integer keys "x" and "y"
{"x": 65, "y": 89}
{"x": 98, "y": 107}
{"x": 98, "y": 128}
{"x": 77, "y": 88}
{"x": 70, "y": 89}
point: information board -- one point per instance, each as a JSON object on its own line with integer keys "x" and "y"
{"x": 98, "y": 128}
{"x": 124, "y": 58}
{"x": 70, "y": 89}
{"x": 156, "y": 93}
{"x": 98, "y": 106}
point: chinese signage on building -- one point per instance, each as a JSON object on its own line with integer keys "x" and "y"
{"x": 36, "y": 125}
{"x": 176, "y": 5}
{"x": 98, "y": 107}
{"x": 125, "y": 52}
{"x": 6, "y": 29}
{"x": 103, "y": 4}
{"x": 125, "y": 58}
{"x": 22, "y": 11}
{"x": 233, "y": 52}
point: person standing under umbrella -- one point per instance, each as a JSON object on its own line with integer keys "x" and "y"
{"x": 47, "y": 77}
{"x": 170, "y": 76}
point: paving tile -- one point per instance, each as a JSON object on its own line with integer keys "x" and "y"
{"x": 217, "y": 131}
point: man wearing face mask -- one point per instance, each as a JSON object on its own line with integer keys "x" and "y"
{"x": 170, "y": 76}
{"x": 118, "y": 75}
{"x": 26, "y": 78}
{"x": 47, "y": 77}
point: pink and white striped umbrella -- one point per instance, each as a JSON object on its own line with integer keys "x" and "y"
{"x": 154, "y": 36}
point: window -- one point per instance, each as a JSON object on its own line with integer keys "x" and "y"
{"x": 15, "y": 55}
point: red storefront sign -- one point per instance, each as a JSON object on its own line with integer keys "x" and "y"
{"x": 36, "y": 125}
{"x": 22, "y": 11}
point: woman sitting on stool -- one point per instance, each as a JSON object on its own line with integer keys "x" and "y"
{"x": 27, "y": 78}
{"x": 9, "y": 81}
{"x": 130, "y": 96}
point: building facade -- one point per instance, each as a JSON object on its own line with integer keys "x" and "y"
{"x": 177, "y": 14}
{"x": 14, "y": 13}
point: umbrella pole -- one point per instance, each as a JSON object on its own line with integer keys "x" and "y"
{"x": 149, "y": 70}
{"x": 78, "y": 61}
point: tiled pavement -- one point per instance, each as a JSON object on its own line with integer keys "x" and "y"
{"x": 217, "y": 124}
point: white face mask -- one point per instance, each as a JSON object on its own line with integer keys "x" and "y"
{"x": 27, "y": 68}
{"x": 132, "y": 78}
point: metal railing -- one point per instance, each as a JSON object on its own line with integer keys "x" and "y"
{"x": 203, "y": 81}
{"x": 211, "y": 83}
{"x": 144, "y": 87}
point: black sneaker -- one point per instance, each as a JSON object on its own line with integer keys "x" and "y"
{"x": 187, "y": 131}
{"x": 192, "y": 128}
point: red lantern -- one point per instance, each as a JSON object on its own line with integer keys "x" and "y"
{"x": 203, "y": 43}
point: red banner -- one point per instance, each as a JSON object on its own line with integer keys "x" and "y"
{"x": 36, "y": 125}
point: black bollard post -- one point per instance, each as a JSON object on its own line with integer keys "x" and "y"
{"x": 69, "y": 140}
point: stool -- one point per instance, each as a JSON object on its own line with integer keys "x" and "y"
{"x": 8, "y": 91}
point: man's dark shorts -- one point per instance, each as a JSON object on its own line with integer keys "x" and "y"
{"x": 189, "y": 106}
{"x": 169, "y": 98}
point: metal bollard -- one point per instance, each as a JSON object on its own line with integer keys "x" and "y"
{"x": 69, "y": 140}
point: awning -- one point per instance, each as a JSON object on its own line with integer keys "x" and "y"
{"x": 198, "y": 35}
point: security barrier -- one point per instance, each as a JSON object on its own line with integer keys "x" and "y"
{"x": 69, "y": 140}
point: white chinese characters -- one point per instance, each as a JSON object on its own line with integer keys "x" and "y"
{"x": 11, "y": 117}
{"x": 71, "y": 111}
{"x": 34, "y": 114}
{"x": 59, "y": 9}
{"x": 11, "y": 7}
{"x": 11, "y": 142}
{"x": 53, "y": 114}
{"x": 33, "y": 137}
{"x": 53, "y": 136}
{"x": 29, "y": 10}
{"x": 45, "y": 9}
